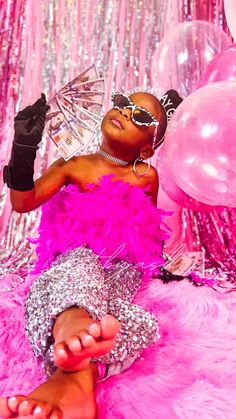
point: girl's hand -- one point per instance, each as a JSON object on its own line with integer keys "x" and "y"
{"x": 29, "y": 123}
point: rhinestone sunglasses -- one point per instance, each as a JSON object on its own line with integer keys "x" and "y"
{"x": 139, "y": 116}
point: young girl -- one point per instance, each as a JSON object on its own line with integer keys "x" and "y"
{"x": 100, "y": 239}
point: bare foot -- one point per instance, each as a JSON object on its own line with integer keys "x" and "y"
{"x": 64, "y": 395}
{"x": 78, "y": 338}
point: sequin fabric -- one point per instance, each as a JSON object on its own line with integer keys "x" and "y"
{"x": 77, "y": 278}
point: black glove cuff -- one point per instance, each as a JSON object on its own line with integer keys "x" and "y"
{"x": 19, "y": 172}
{"x": 8, "y": 178}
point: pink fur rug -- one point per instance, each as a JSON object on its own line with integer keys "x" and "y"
{"x": 189, "y": 374}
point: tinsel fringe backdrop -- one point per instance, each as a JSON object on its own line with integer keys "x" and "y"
{"x": 44, "y": 44}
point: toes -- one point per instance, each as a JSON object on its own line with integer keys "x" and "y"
{"x": 56, "y": 414}
{"x": 42, "y": 410}
{"x": 34, "y": 408}
{"x": 60, "y": 350}
{"x": 22, "y": 406}
{"x": 26, "y": 407}
{"x": 5, "y": 411}
{"x": 86, "y": 339}
{"x": 13, "y": 402}
{"x": 76, "y": 351}
{"x": 109, "y": 326}
{"x": 94, "y": 330}
{"x": 74, "y": 344}
{"x": 102, "y": 348}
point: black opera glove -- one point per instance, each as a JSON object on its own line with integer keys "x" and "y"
{"x": 29, "y": 126}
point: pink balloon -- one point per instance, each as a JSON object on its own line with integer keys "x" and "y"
{"x": 221, "y": 68}
{"x": 174, "y": 192}
{"x": 184, "y": 53}
{"x": 200, "y": 144}
{"x": 230, "y": 13}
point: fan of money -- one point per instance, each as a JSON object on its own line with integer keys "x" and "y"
{"x": 75, "y": 113}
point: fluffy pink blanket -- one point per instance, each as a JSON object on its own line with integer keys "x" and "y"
{"x": 189, "y": 374}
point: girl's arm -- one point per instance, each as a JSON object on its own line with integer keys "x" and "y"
{"x": 26, "y": 194}
{"x": 45, "y": 187}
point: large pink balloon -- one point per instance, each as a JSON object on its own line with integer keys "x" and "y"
{"x": 200, "y": 144}
{"x": 173, "y": 190}
{"x": 221, "y": 68}
{"x": 184, "y": 53}
{"x": 230, "y": 13}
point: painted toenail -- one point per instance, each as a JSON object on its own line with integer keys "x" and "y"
{"x": 88, "y": 339}
{"x": 12, "y": 402}
{"x": 94, "y": 327}
{"x": 12, "y": 399}
{"x": 38, "y": 409}
{"x": 24, "y": 403}
{"x": 62, "y": 352}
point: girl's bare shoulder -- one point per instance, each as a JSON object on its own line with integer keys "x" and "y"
{"x": 151, "y": 177}
{"x": 81, "y": 169}
{"x": 85, "y": 159}
{"x": 76, "y": 161}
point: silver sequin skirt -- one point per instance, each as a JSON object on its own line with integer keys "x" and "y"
{"x": 78, "y": 279}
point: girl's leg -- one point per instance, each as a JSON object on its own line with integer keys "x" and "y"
{"x": 73, "y": 284}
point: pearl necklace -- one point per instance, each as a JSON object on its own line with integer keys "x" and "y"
{"x": 114, "y": 159}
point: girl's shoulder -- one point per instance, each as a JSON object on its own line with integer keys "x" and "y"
{"x": 151, "y": 177}
{"x": 150, "y": 183}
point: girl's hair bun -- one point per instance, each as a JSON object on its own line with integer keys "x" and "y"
{"x": 170, "y": 101}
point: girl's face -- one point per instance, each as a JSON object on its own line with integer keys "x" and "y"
{"x": 118, "y": 127}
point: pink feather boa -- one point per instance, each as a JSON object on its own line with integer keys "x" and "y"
{"x": 116, "y": 220}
